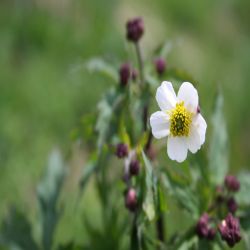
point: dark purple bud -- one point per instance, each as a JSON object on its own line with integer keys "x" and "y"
{"x": 131, "y": 199}
{"x": 160, "y": 65}
{"x": 198, "y": 109}
{"x": 135, "y": 29}
{"x": 232, "y": 205}
{"x": 230, "y": 230}
{"x": 121, "y": 150}
{"x": 232, "y": 183}
{"x": 125, "y": 72}
{"x": 134, "y": 167}
{"x": 134, "y": 74}
{"x": 211, "y": 233}
{"x": 202, "y": 226}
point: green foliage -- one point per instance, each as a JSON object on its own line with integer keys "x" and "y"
{"x": 16, "y": 232}
{"x": 148, "y": 204}
{"x": 218, "y": 151}
{"x": 98, "y": 65}
{"x": 42, "y": 98}
{"x": 48, "y": 192}
{"x": 243, "y": 196}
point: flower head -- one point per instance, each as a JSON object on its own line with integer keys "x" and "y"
{"x": 230, "y": 230}
{"x": 179, "y": 120}
{"x": 232, "y": 183}
{"x": 135, "y": 29}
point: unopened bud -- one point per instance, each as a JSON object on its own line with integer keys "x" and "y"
{"x": 202, "y": 226}
{"x": 131, "y": 199}
{"x": 232, "y": 205}
{"x": 198, "y": 109}
{"x": 160, "y": 65}
{"x": 230, "y": 230}
{"x": 232, "y": 183}
{"x": 134, "y": 167}
{"x": 124, "y": 72}
{"x": 135, "y": 29}
{"x": 121, "y": 150}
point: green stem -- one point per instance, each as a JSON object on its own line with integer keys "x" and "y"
{"x": 140, "y": 63}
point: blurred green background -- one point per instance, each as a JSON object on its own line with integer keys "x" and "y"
{"x": 45, "y": 90}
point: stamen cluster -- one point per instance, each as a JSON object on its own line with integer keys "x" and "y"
{"x": 180, "y": 120}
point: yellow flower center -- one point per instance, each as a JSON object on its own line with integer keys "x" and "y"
{"x": 180, "y": 120}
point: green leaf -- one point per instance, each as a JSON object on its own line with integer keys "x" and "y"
{"x": 16, "y": 232}
{"x": 107, "y": 107}
{"x": 243, "y": 197}
{"x": 148, "y": 204}
{"x": 218, "y": 151}
{"x": 183, "y": 193}
{"x": 88, "y": 170}
{"x": 98, "y": 65}
{"x": 48, "y": 192}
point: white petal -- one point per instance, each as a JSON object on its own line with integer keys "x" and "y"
{"x": 194, "y": 141}
{"x": 177, "y": 148}
{"x": 165, "y": 96}
{"x": 189, "y": 95}
{"x": 159, "y": 122}
{"x": 201, "y": 127}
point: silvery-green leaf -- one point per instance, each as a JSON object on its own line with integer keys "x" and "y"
{"x": 218, "y": 151}
{"x": 243, "y": 196}
{"x": 98, "y": 65}
{"x": 48, "y": 192}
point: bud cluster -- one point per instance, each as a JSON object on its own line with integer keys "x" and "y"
{"x": 131, "y": 168}
{"x": 225, "y": 193}
{"x": 229, "y": 228}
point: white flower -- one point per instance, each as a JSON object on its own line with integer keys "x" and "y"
{"x": 179, "y": 119}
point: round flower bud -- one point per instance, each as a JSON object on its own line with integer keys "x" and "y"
{"x": 135, "y": 29}
{"x": 134, "y": 167}
{"x": 230, "y": 230}
{"x": 232, "y": 205}
{"x": 131, "y": 199}
{"x": 124, "y": 73}
{"x": 160, "y": 65}
{"x": 202, "y": 226}
{"x": 121, "y": 150}
{"x": 232, "y": 183}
